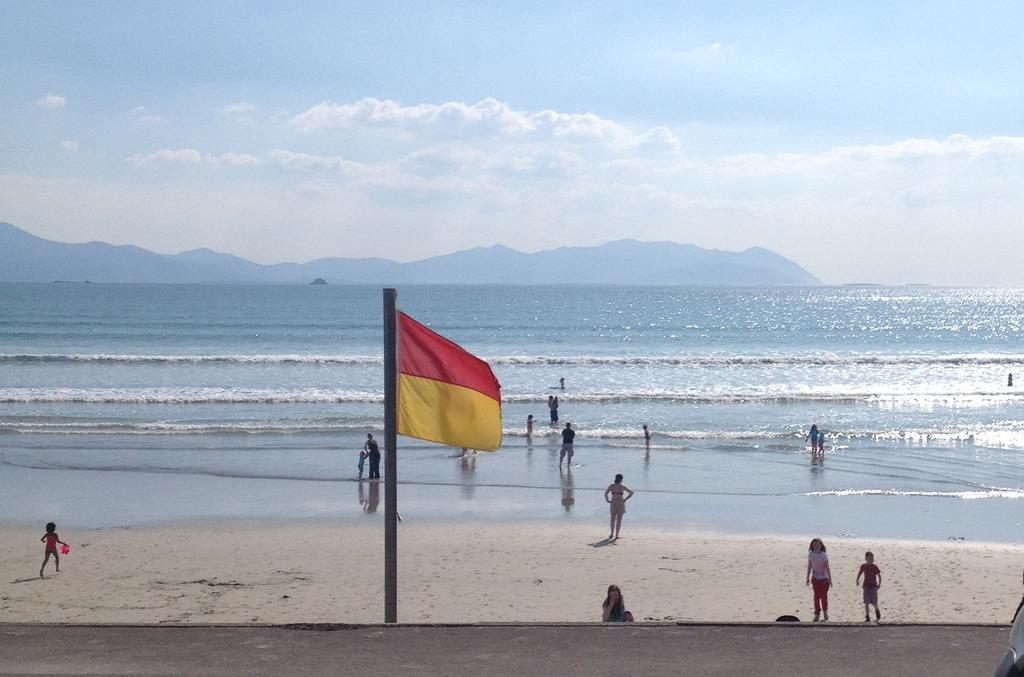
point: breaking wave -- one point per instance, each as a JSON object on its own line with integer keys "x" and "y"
{"x": 540, "y": 360}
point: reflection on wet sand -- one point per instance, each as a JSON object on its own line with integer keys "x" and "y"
{"x": 568, "y": 492}
{"x": 817, "y": 462}
{"x": 371, "y": 502}
{"x": 468, "y": 464}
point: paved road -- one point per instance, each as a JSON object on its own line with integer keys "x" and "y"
{"x": 531, "y": 650}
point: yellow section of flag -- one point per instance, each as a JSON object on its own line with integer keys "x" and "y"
{"x": 447, "y": 413}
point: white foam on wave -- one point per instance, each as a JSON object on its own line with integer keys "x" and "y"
{"x": 174, "y": 428}
{"x": 185, "y": 395}
{"x": 969, "y": 495}
{"x": 191, "y": 359}
{"x": 797, "y": 359}
{"x": 894, "y": 396}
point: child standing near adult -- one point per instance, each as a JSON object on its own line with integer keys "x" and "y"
{"x": 51, "y": 539}
{"x": 819, "y": 577}
{"x": 872, "y": 582}
{"x": 363, "y": 454}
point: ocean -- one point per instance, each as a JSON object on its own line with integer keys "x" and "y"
{"x": 130, "y": 404}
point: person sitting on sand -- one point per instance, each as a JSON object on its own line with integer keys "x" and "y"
{"x": 617, "y": 494}
{"x": 614, "y": 608}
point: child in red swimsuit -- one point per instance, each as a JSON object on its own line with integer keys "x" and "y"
{"x": 52, "y": 539}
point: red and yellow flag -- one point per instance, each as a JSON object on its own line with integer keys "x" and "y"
{"x": 445, "y": 394}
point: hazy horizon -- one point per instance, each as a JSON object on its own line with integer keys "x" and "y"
{"x": 865, "y": 143}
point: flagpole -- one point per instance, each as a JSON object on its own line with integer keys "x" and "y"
{"x": 390, "y": 458}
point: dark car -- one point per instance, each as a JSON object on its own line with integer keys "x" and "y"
{"x": 1013, "y": 662}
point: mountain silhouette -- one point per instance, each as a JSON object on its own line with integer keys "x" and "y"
{"x": 27, "y": 258}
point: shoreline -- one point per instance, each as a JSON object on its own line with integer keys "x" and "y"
{"x": 285, "y": 571}
{"x": 333, "y": 521}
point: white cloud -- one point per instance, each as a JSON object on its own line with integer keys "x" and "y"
{"x": 238, "y": 108}
{"x": 488, "y": 118}
{"x": 307, "y": 162}
{"x": 69, "y": 146}
{"x": 191, "y": 156}
{"x": 873, "y": 160}
{"x": 52, "y": 101}
{"x": 535, "y": 191}
{"x": 142, "y": 115}
{"x": 956, "y": 146}
{"x": 692, "y": 57}
{"x": 534, "y": 161}
{"x": 231, "y": 160}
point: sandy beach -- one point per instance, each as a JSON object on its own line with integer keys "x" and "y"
{"x": 315, "y": 571}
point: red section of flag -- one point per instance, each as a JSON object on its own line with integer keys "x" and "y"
{"x": 425, "y": 353}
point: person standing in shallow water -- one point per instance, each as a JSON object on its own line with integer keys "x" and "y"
{"x": 529, "y": 426}
{"x": 552, "y": 409}
{"x": 617, "y": 494}
{"x": 647, "y": 436}
{"x": 812, "y": 435}
{"x": 568, "y": 437}
{"x": 373, "y": 451}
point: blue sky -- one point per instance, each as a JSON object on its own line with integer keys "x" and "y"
{"x": 865, "y": 141}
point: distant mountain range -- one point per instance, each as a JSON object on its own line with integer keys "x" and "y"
{"x": 27, "y": 258}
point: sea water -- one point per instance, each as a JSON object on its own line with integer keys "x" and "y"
{"x": 122, "y": 404}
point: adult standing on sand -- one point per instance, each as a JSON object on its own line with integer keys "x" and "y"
{"x": 568, "y": 435}
{"x": 617, "y": 494}
{"x": 371, "y": 448}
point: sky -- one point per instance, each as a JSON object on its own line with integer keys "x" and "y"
{"x": 868, "y": 142}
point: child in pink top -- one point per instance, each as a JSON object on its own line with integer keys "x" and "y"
{"x": 51, "y": 539}
{"x": 819, "y": 577}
